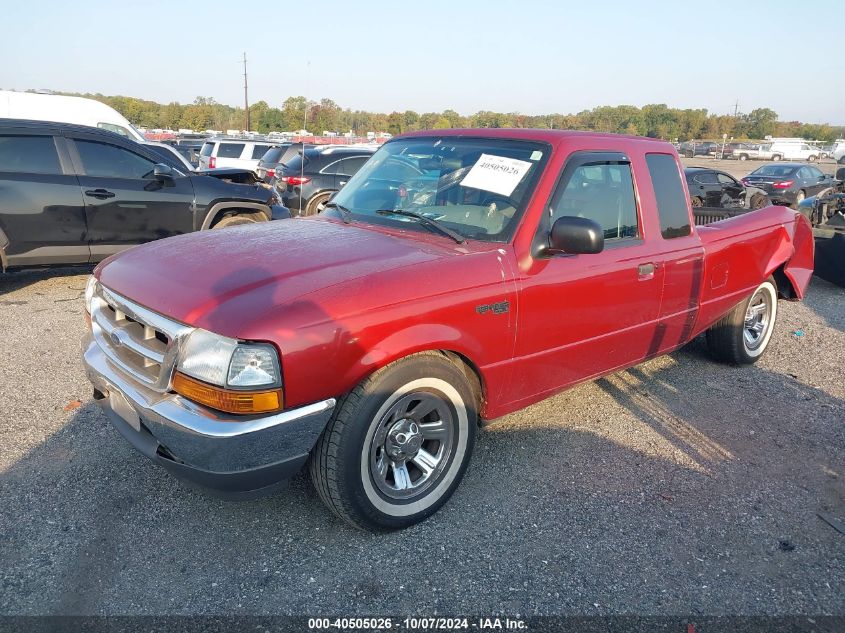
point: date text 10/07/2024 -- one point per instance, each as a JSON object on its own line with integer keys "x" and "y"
{"x": 417, "y": 624}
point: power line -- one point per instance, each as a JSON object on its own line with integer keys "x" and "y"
{"x": 246, "y": 98}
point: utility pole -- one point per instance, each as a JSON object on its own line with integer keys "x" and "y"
{"x": 246, "y": 98}
{"x": 736, "y": 108}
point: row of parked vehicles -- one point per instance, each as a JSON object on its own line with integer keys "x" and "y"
{"x": 777, "y": 150}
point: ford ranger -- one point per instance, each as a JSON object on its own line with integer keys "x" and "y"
{"x": 459, "y": 276}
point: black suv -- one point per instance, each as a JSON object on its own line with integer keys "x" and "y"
{"x": 71, "y": 194}
{"x": 691, "y": 149}
{"x": 312, "y": 176}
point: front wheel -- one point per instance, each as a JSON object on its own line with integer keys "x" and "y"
{"x": 398, "y": 445}
{"x": 742, "y": 335}
{"x": 743, "y": 157}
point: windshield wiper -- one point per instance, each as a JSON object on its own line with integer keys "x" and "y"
{"x": 345, "y": 214}
{"x": 427, "y": 221}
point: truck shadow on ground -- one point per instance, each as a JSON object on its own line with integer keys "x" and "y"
{"x": 676, "y": 461}
{"x": 17, "y": 280}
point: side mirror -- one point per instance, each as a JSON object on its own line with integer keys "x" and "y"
{"x": 162, "y": 172}
{"x": 576, "y": 235}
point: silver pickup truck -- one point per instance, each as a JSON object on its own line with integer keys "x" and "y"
{"x": 756, "y": 152}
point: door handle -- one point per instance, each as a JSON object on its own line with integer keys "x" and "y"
{"x": 100, "y": 194}
{"x": 646, "y": 271}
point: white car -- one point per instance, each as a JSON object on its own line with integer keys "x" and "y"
{"x": 838, "y": 151}
{"x": 242, "y": 153}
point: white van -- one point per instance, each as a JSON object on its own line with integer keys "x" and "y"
{"x": 62, "y": 109}
{"x": 794, "y": 151}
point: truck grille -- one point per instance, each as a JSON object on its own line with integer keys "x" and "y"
{"x": 140, "y": 342}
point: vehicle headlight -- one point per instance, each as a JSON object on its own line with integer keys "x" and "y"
{"x": 225, "y": 362}
{"x": 229, "y": 375}
{"x": 90, "y": 288}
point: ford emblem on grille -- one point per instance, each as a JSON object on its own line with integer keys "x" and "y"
{"x": 115, "y": 339}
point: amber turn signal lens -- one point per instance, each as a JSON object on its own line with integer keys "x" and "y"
{"x": 242, "y": 402}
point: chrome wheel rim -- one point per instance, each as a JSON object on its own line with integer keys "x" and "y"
{"x": 321, "y": 206}
{"x": 411, "y": 445}
{"x": 758, "y": 315}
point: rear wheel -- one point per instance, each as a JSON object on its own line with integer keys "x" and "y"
{"x": 799, "y": 198}
{"x": 812, "y": 159}
{"x": 743, "y": 157}
{"x": 317, "y": 204}
{"x": 696, "y": 201}
{"x": 398, "y": 445}
{"x": 742, "y": 335}
{"x": 776, "y": 157}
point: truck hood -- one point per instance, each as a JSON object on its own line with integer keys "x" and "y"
{"x": 223, "y": 280}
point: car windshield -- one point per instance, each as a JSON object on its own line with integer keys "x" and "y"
{"x": 477, "y": 187}
{"x": 778, "y": 171}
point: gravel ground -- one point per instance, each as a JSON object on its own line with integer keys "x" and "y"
{"x": 677, "y": 487}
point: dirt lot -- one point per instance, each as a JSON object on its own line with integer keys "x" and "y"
{"x": 678, "y": 487}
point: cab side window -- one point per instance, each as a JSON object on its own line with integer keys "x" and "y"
{"x": 109, "y": 161}
{"x": 602, "y": 192}
{"x": 672, "y": 204}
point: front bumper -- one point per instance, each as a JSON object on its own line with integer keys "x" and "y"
{"x": 236, "y": 456}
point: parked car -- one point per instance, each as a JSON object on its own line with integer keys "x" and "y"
{"x": 691, "y": 149}
{"x": 826, "y": 212}
{"x": 63, "y": 109}
{"x": 71, "y": 194}
{"x": 714, "y": 188}
{"x": 190, "y": 148}
{"x": 838, "y": 151}
{"x": 789, "y": 183}
{"x": 459, "y": 276}
{"x": 237, "y": 152}
{"x": 794, "y": 151}
{"x": 273, "y": 159}
{"x": 307, "y": 181}
{"x": 751, "y": 151}
{"x": 169, "y": 155}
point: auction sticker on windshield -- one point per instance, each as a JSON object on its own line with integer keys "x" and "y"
{"x": 496, "y": 173}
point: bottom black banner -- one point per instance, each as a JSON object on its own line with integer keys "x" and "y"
{"x": 550, "y": 624}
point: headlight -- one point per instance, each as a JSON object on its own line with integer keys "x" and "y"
{"x": 227, "y": 375}
{"x": 90, "y": 288}
{"x": 226, "y": 362}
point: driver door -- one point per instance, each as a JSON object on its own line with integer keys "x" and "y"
{"x": 582, "y": 315}
{"x": 124, "y": 203}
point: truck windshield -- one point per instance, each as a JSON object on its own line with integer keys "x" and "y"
{"x": 477, "y": 187}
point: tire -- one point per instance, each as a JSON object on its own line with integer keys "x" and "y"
{"x": 743, "y": 157}
{"x": 696, "y": 202}
{"x": 689, "y": 154}
{"x": 841, "y": 160}
{"x": 317, "y": 203}
{"x": 368, "y": 466}
{"x": 743, "y": 334}
{"x": 799, "y": 198}
{"x": 812, "y": 159}
{"x": 235, "y": 220}
{"x": 759, "y": 200}
{"x": 776, "y": 157}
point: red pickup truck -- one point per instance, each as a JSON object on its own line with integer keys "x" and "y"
{"x": 459, "y": 276}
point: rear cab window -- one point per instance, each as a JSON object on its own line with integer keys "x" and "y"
{"x": 29, "y": 154}
{"x": 672, "y": 205}
{"x": 207, "y": 149}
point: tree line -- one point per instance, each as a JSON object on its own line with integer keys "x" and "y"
{"x": 296, "y": 113}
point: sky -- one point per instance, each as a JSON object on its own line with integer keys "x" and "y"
{"x": 532, "y": 57}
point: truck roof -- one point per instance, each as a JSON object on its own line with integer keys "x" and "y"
{"x": 534, "y": 134}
